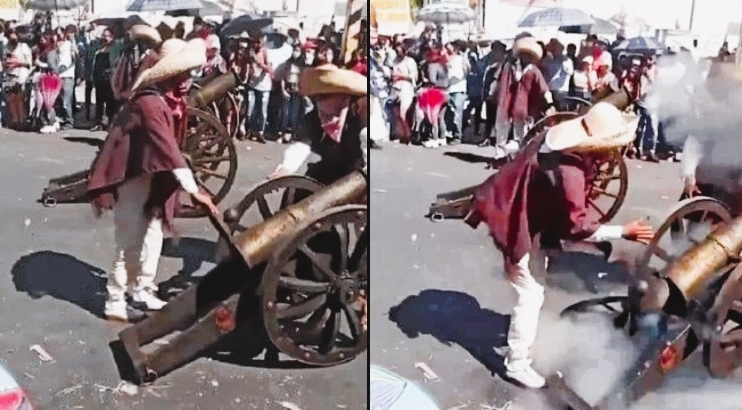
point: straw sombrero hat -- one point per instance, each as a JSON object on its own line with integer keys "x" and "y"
{"x": 175, "y": 57}
{"x": 145, "y": 32}
{"x": 328, "y": 79}
{"x": 603, "y": 126}
{"x": 528, "y": 45}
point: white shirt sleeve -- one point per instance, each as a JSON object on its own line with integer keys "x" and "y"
{"x": 295, "y": 156}
{"x": 606, "y": 232}
{"x": 186, "y": 180}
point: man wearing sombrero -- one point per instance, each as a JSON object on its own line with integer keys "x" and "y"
{"x": 522, "y": 94}
{"x": 543, "y": 192}
{"x": 142, "y": 39}
{"x": 139, "y": 172}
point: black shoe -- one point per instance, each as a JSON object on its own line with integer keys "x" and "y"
{"x": 66, "y": 126}
{"x": 454, "y": 141}
{"x": 374, "y": 145}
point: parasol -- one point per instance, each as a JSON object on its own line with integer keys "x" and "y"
{"x": 389, "y": 391}
{"x": 52, "y": 5}
{"x": 49, "y": 86}
{"x": 207, "y": 9}
{"x": 639, "y": 44}
{"x": 557, "y": 17}
{"x": 445, "y": 12}
{"x": 246, "y": 23}
{"x": 163, "y": 5}
{"x": 600, "y": 27}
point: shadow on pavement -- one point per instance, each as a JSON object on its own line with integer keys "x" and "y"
{"x": 455, "y": 318}
{"x": 194, "y": 252}
{"x": 492, "y": 162}
{"x": 63, "y": 277}
{"x": 93, "y": 142}
{"x": 577, "y": 271}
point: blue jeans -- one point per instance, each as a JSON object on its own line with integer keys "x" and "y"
{"x": 291, "y": 111}
{"x": 648, "y": 131}
{"x": 67, "y": 95}
{"x": 456, "y": 103}
{"x": 254, "y": 98}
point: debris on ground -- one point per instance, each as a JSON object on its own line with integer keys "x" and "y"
{"x": 44, "y": 356}
{"x": 289, "y": 406}
{"x": 427, "y": 371}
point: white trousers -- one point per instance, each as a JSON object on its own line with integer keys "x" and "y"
{"x": 524, "y": 320}
{"x": 503, "y": 126}
{"x": 138, "y": 241}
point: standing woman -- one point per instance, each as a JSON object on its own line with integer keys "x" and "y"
{"x": 18, "y": 61}
{"x": 404, "y": 79}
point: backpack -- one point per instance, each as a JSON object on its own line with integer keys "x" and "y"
{"x": 124, "y": 73}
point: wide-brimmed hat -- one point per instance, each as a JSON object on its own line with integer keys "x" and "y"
{"x": 329, "y": 79}
{"x": 528, "y": 45}
{"x": 175, "y": 58}
{"x": 603, "y": 126}
{"x": 145, "y": 32}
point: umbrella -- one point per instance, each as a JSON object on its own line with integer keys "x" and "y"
{"x": 557, "y": 17}
{"x": 639, "y": 44}
{"x": 50, "y": 5}
{"x": 600, "y": 27}
{"x": 445, "y": 12}
{"x": 629, "y": 20}
{"x": 207, "y": 9}
{"x": 49, "y": 85}
{"x": 163, "y": 5}
{"x": 391, "y": 392}
{"x": 246, "y": 23}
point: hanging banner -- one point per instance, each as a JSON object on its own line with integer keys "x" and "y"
{"x": 391, "y": 16}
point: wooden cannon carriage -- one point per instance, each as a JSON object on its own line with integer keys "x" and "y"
{"x": 207, "y": 146}
{"x": 299, "y": 273}
{"x": 606, "y": 193}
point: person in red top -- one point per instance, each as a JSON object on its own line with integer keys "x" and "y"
{"x": 522, "y": 94}
{"x": 138, "y": 174}
{"x": 543, "y": 193}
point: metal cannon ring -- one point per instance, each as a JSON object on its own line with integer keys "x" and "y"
{"x": 49, "y": 202}
{"x": 437, "y": 217}
{"x": 149, "y": 376}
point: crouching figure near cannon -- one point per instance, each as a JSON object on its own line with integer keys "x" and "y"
{"x": 544, "y": 191}
{"x": 138, "y": 173}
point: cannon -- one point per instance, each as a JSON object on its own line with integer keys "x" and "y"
{"x": 207, "y": 146}
{"x": 694, "y": 296}
{"x": 215, "y": 94}
{"x": 606, "y": 193}
{"x": 299, "y": 272}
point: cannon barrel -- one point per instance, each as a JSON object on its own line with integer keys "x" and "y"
{"x": 213, "y": 90}
{"x": 620, "y": 99}
{"x": 258, "y": 243}
{"x": 694, "y": 268}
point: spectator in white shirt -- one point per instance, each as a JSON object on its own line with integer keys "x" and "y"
{"x": 557, "y": 69}
{"x": 457, "y": 68}
{"x": 18, "y": 60}
{"x": 67, "y": 52}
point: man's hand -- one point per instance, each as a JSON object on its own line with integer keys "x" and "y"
{"x": 204, "y": 200}
{"x": 638, "y": 231}
{"x": 279, "y": 172}
{"x": 691, "y": 187}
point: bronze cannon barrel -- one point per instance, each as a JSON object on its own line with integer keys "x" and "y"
{"x": 692, "y": 270}
{"x": 258, "y": 243}
{"x": 620, "y": 99}
{"x": 213, "y": 90}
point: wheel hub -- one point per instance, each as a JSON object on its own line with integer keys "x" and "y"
{"x": 343, "y": 291}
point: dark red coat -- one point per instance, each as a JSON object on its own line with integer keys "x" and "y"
{"x": 520, "y": 100}
{"x": 524, "y": 199}
{"x": 142, "y": 140}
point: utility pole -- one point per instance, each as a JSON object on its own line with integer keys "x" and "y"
{"x": 738, "y": 56}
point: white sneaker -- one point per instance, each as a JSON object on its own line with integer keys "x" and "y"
{"x": 148, "y": 299}
{"x": 442, "y": 143}
{"x": 48, "y": 129}
{"x": 120, "y": 310}
{"x": 522, "y": 372}
{"x": 430, "y": 144}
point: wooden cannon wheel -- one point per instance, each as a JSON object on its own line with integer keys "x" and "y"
{"x": 284, "y": 188}
{"x": 229, "y": 103}
{"x": 722, "y": 353}
{"x": 212, "y": 157}
{"x": 689, "y": 222}
{"x": 304, "y": 307}
{"x": 611, "y": 181}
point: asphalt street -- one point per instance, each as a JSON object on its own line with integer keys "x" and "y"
{"x": 52, "y": 270}
{"x": 439, "y": 297}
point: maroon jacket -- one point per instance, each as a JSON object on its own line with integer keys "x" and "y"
{"x": 142, "y": 140}
{"x": 520, "y": 100}
{"x": 525, "y": 198}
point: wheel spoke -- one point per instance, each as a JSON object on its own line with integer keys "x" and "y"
{"x": 303, "y": 285}
{"x": 204, "y": 187}
{"x": 353, "y": 321}
{"x": 316, "y": 262}
{"x": 290, "y": 195}
{"x": 210, "y": 173}
{"x": 359, "y": 251}
{"x": 330, "y": 333}
{"x": 203, "y": 148}
{"x": 600, "y": 211}
{"x": 343, "y": 233}
{"x": 662, "y": 254}
{"x": 603, "y": 192}
{"x": 209, "y": 159}
{"x": 303, "y": 308}
{"x": 265, "y": 210}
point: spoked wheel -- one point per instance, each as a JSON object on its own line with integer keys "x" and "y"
{"x": 313, "y": 314}
{"x": 689, "y": 223}
{"x": 269, "y": 197}
{"x": 722, "y": 355}
{"x": 212, "y": 157}
{"x": 610, "y": 185}
{"x": 548, "y": 121}
{"x": 609, "y": 304}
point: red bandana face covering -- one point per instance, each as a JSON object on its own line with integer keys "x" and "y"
{"x": 333, "y": 111}
{"x": 176, "y": 103}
